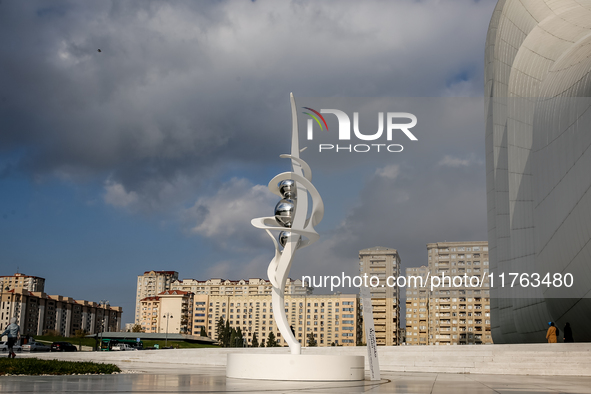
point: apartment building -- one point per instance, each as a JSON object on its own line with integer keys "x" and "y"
{"x": 250, "y": 286}
{"x": 176, "y": 312}
{"x": 150, "y": 314}
{"x": 417, "y": 307}
{"x": 450, "y": 315}
{"x": 149, "y": 285}
{"x": 170, "y": 311}
{"x": 329, "y": 318}
{"x": 37, "y": 313}
{"x": 382, "y": 263}
{"x": 22, "y": 281}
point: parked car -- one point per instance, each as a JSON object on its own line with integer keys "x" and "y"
{"x": 123, "y": 347}
{"x": 63, "y": 347}
{"x": 36, "y": 347}
{"x": 4, "y": 347}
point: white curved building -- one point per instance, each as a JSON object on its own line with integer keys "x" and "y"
{"x": 538, "y": 163}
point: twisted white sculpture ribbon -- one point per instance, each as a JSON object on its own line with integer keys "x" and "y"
{"x": 302, "y": 231}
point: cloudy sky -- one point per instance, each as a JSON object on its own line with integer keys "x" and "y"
{"x": 155, "y": 152}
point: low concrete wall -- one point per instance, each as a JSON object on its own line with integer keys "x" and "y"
{"x": 563, "y": 359}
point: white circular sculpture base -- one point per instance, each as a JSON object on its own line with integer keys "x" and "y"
{"x": 295, "y": 367}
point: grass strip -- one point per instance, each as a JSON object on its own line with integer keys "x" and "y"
{"x": 35, "y": 366}
{"x": 177, "y": 344}
{"x": 147, "y": 343}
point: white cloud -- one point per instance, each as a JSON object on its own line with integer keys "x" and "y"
{"x": 390, "y": 171}
{"x": 225, "y": 217}
{"x": 454, "y": 162}
{"x": 116, "y": 195}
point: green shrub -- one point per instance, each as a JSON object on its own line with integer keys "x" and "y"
{"x": 35, "y": 366}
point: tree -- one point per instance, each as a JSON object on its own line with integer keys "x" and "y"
{"x": 137, "y": 328}
{"x": 227, "y": 334}
{"x": 311, "y": 340}
{"x": 233, "y": 337}
{"x": 255, "y": 341}
{"x": 220, "y": 331}
{"x": 239, "y": 338}
{"x": 203, "y": 333}
{"x": 271, "y": 342}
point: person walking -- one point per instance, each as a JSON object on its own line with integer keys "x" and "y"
{"x": 551, "y": 333}
{"x": 13, "y": 332}
{"x": 568, "y": 333}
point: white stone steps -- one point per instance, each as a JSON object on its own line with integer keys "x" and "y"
{"x": 528, "y": 359}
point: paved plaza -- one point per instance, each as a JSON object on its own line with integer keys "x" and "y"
{"x": 151, "y": 378}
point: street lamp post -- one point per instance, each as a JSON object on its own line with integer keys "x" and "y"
{"x": 105, "y": 304}
{"x": 167, "y": 316}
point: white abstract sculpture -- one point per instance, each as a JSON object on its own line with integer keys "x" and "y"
{"x": 296, "y": 230}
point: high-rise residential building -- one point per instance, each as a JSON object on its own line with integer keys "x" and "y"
{"x": 417, "y": 307}
{"x": 22, "y": 281}
{"x": 190, "y": 305}
{"x": 382, "y": 263}
{"x": 451, "y": 314}
{"x": 37, "y": 313}
{"x": 331, "y": 319}
{"x": 250, "y": 286}
{"x": 149, "y": 285}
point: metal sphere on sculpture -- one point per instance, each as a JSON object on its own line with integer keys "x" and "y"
{"x": 284, "y": 212}
{"x": 284, "y": 236}
{"x": 288, "y": 189}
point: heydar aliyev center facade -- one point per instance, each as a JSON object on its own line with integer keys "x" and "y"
{"x": 538, "y": 163}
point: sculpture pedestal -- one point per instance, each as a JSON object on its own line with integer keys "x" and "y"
{"x": 295, "y": 367}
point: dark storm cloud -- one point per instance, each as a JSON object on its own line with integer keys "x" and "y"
{"x": 432, "y": 191}
{"x": 179, "y": 89}
{"x": 186, "y": 99}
